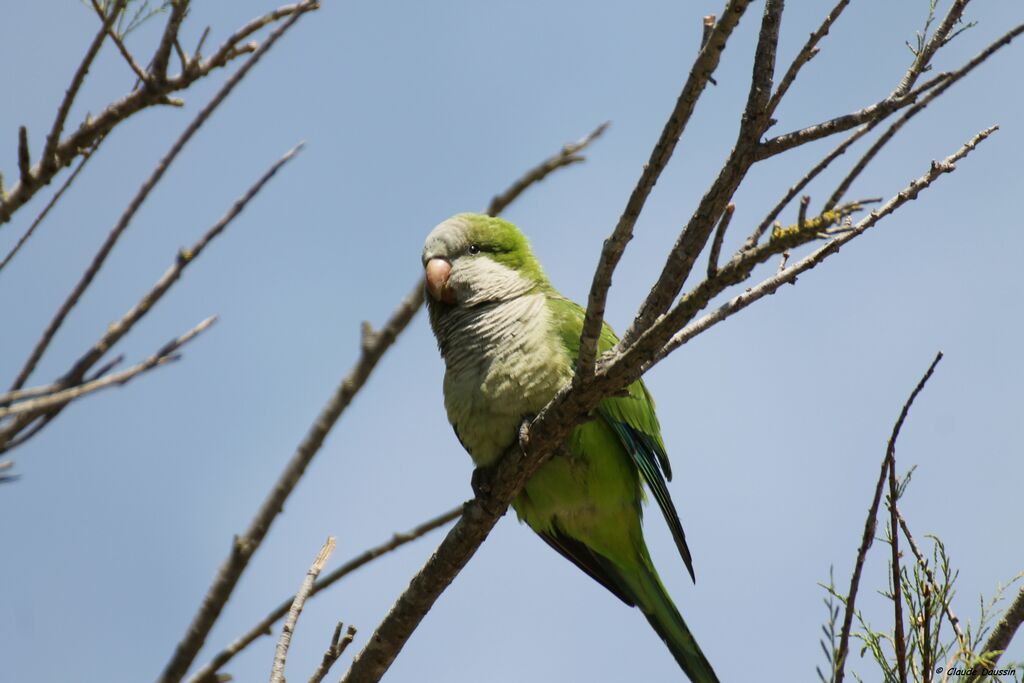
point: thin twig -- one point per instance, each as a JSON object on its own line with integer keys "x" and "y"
{"x": 703, "y": 67}
{"x": 24, "y": 157}
{"x": 166, "y": 354}
{"x": 899, "y": 637}
{"x": 281, "y": 653}
{"x": 207, "y": 674}
{"x": 806, "y": 54}
{"x": 334, "y": 651}
{"x": 46, "y": 210}
{"x": 716, "y": 244}
{"x": 121, "y": 47}
{"x": 143, "y": 193}
{"x": 53, "y": 138}
{"x": 869, "y": 528}
{"x": 568, "y": 155}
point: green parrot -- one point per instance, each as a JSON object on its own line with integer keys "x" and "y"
{"x": 510, "y": 342}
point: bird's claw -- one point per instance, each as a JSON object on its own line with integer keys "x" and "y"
{"x": 481, "y": 481}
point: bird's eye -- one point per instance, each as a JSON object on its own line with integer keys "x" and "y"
{"x": 474, "y": 249}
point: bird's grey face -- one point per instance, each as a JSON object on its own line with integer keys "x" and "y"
{"x": 461, "y": 266}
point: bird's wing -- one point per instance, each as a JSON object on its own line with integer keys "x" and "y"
{"x": 633, "y": 420}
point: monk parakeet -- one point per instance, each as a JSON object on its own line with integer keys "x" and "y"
{"x": 509, "y": 342}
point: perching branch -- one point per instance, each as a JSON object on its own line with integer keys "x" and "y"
{"x": 654, "y": 334}
{"x": 869, "y": 528}
{"x": 281, "y": 653}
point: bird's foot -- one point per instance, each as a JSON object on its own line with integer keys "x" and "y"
{"x": 481, "y": 481}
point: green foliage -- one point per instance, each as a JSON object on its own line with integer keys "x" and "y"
{"x": 936, "y": 647}
{"x": 830, "y": 643}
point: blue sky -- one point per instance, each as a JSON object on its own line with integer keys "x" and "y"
{"x": 776, "y": 420}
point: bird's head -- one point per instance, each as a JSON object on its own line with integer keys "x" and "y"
{"x": 472, "y": 259}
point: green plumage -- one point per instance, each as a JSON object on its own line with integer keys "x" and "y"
{"x": 510, "y": 341}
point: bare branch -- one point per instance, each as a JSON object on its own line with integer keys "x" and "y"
{"x": 716, "y": 244}
{"x": 61, "y": 398}
{"x": 704, "y": 65}
{"x": 207, "y": 674}
{"x": 143, "y": 193}
{"x": 568, "y": 155}
{"x": 281, "y": 653}
{"x": 162, "y": 56}
{"x": 869, "y": 528}
{"x": 899, "y": 637}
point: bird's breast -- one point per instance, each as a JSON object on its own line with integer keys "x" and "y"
{"x": 502, "y": 364}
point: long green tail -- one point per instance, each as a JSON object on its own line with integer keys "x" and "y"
{"x": 654, "y": 601}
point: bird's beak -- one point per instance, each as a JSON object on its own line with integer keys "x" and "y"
{"x": 437, "y": 272}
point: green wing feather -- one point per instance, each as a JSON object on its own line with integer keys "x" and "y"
{"x": 633, "y": 420}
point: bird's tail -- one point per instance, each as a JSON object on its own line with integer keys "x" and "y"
{"x": 654, "y": 601}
